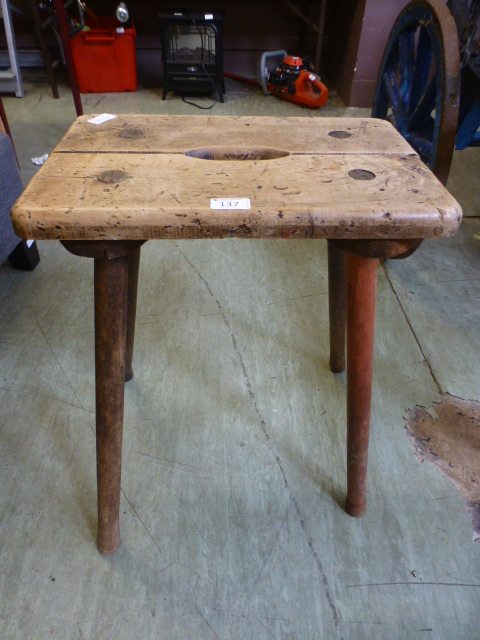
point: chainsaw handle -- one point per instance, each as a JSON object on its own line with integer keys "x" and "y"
{"x": 316, "y": 82}
{"x": 263, "y": 67}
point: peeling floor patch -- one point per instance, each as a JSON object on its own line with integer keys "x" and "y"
{"x": 448, "y": 435}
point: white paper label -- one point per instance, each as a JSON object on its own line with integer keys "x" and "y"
{"x": 105, "y": 117}
{"x": 209, "y": 16}
{"x": 230, "y": 203}
{"x": 120, "y": 30}
{"x": 311, "y": 77}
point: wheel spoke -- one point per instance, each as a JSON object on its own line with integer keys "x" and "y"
{"x": 422, "y": 146}
{"x": 421, "y": 72}
{"x": 422, "y": 112}
{"x": 390, "y": 83}
{"x": 406, "y": 64}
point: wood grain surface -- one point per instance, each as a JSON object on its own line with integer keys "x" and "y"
{"x": 304, "y": 177}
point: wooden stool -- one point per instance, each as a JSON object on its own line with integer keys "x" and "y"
{"x": 107, "y": 189}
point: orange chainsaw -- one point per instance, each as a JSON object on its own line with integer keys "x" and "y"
{"x": 291, "y": 80}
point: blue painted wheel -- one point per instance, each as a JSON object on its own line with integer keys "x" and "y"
{"x": 418, "y": 85}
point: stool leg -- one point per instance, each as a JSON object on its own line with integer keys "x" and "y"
{"x": 336, "y": 306}
{"x": 133, "y": 268}
{"x": 111, "y": 284}
{"x": 361, "y": 300}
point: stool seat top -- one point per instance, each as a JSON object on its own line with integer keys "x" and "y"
{"x": 139, "y": 177}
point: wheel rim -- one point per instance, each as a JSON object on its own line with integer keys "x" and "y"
{"x": 419, "y": 81}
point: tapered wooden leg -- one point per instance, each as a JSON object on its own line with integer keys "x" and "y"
{"x": 111, "y": 284}
{"x": 361, "y": 300}
{"x": 133, "y": 268}
{"x": 336, "y": 306}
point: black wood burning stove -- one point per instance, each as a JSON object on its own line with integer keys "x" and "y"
{"x": 192, "y": 52}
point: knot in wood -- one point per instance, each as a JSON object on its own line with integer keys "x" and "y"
{"x": 131, "y": 133}
{"x": 113, "y": 175}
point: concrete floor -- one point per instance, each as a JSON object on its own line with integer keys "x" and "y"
{"x": 234, "y": 440}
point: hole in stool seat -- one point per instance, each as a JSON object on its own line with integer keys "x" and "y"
{"x": 341, "y": 135}
{"x": 361, "y": 174}
{"x": 230, "y": 153}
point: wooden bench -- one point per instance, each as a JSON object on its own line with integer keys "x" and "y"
{"x": 107, "y": 189}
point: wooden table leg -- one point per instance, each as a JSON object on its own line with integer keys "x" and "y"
{"x": 361, "y": 279}
{"x": 336, "y": 306}
{"x": 115, "y": 281}
{"x": 111, "y": 285}
{"x": 361, "y": 300}
{"x": 133, "y": 269}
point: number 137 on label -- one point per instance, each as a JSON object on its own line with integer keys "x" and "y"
{"x": 230, "y": 203}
